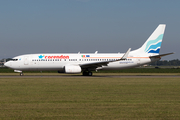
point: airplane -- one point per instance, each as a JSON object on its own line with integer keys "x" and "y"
{"x": 88, "y": 62}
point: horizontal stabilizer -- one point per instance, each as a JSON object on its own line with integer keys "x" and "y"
{"x": 159, "y": 56}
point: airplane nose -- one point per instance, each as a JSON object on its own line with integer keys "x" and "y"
{"x": 7, "y": 64}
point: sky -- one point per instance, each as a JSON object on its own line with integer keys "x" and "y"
{"x": 86, "y": 26}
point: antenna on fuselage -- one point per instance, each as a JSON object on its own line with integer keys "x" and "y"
{"x": 96, "y": 52}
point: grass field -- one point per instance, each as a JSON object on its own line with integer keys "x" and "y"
{"x": 89, "y": 98}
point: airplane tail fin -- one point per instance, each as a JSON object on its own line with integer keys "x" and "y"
{"x": 153, "y": 44}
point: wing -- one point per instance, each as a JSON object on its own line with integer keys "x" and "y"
{"x": 94, "y": 65}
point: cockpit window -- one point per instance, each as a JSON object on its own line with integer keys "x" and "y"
{"x": 10, "y": 59}
{"x": 14, "y": 59}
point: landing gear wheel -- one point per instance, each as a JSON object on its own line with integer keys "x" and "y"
{"x": 87, "y": 73}
{"x": 21, "y": 74}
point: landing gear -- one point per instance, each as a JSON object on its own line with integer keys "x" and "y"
{"x": 87, "y": 73}
{"x": 21, "y": 74}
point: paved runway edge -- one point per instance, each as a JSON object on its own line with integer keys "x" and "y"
{"x": 95, "y": 76}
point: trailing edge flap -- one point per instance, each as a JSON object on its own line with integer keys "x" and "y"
{"x": 159, "y": 56}
{"x": 104, "y": 63}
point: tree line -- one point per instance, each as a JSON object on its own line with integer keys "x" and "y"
{"x": 175, "y": 62}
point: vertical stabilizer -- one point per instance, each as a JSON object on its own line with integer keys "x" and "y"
{"x": 153, "y": 44}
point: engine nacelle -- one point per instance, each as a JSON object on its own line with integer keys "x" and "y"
{"x": 72, "y": 69}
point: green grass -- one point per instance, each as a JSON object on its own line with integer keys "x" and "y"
{"x": 89, "y": 98}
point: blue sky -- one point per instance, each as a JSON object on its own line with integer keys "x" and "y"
{"x": 70, "y": 26}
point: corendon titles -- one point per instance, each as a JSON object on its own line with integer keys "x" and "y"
{"x": 57, "y": 57}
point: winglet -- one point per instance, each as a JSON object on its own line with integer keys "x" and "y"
{"x": 126, "y": 54}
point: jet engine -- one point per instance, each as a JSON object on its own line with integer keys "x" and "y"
{"x": 72, "y": 69}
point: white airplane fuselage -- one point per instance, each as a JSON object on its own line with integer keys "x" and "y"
{"x": 87, "y": 62}
{"x": 58, "y": 61}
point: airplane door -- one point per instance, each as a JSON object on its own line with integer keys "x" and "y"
{"x": 138, "y": 61}
{"x": 26, "y": 60}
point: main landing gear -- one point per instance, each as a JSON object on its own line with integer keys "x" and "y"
{"x": 87, "y": 73}
{"x": 21, "y": 74}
